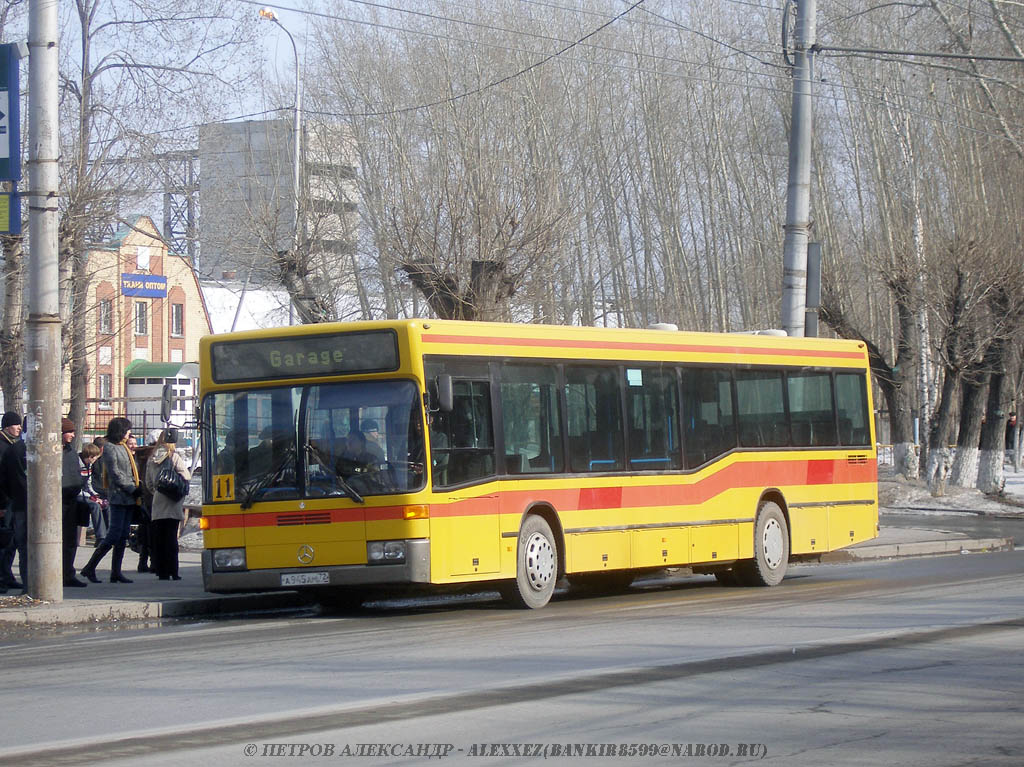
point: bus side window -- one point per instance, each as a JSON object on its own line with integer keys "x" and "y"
{"x": 810, "y": 408}
{"x": 595, "y": 419}
{"x": 652, "y": 415}
{"x": 852, "y": 403}
{"x": 530, "y": 419}
{"x": 762, "y": 408}
{"x": 709, "y": 426}
{"x": 470, "y": 434}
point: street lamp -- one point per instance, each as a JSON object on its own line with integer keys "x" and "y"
{"x": 267, "y": 13}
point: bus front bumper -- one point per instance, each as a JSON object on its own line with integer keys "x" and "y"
{"x": 415, "y": 569}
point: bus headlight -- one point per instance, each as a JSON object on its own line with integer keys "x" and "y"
{"x": 385, "y": 552}
{"x": 229, "y": 559}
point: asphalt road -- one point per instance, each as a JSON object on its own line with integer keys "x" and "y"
{"x": 906, "y": 662}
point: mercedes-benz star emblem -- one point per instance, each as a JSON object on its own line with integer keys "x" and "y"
{"x": 306, "y": 554}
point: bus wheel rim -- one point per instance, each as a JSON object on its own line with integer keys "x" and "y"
{"x": 772, "y": 543}
{"x": 540, "y": 561}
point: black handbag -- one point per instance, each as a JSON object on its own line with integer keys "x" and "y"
{"x": 171, "y": 484}
{"x": 82, "y": 515}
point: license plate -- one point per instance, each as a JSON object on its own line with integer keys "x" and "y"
{"x": 303, "y": 579}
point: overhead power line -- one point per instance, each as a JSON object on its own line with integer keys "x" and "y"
{"x": 920, "y": 54}
{"x": 506, "y": 78}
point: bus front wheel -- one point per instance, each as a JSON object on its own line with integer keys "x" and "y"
{"x": 536, "y": 566}
{"x": 771, "y": 548}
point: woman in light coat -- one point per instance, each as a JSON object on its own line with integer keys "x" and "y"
{"x": 167, "y": 514}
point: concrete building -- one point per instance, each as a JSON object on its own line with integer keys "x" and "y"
{"x": 144, "y": 306}
{"x": 246, "y": 198}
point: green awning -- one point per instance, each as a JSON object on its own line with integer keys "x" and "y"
{"x": 147, "y": 369}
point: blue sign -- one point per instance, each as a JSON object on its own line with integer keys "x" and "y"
{"x": 10, "y": 117}
{"x": 144, "y": 285}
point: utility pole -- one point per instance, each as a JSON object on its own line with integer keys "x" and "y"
{"x": 43, "y": 343}
{"x": 798, "y": 190}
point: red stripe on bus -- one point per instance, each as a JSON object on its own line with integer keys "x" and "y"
{"x": 437, "y": 338}
{"x": 270, "y": 518}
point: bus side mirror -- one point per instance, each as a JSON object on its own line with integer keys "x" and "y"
{"x": 445, "y": 398}
{"x": 166, "y": 398}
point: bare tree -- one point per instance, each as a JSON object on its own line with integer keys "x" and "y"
{"x": 12, "y": 14}
{"x": 136, "y": 63}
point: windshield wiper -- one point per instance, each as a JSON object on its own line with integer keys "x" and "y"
{"x": 345, "y": 486}
{"x": 250, "y": 490}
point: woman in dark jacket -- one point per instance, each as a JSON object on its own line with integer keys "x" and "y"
{"x": 71, "y": 488}
{"x": 14, "y": 482}
{"x": 120, "y": 478}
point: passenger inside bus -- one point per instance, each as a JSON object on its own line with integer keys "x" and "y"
{"x": 354, "y": 456}
{"x": 439, "y": 451}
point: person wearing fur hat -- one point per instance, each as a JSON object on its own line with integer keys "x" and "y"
{"x": 14, "y": 497}
{"x": 71, "y": 488}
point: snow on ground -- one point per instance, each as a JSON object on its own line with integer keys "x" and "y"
{"x": 894, "y": 492}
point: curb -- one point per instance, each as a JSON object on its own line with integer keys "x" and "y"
{"x": 102, "y": 612}
{"x": 917, "y": 549}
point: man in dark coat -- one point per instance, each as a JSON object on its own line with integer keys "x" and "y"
{"x": 14, "y": 492}
{"x": 71, "y": 487}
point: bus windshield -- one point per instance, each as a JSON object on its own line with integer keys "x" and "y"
{"x": 327, "y": 440}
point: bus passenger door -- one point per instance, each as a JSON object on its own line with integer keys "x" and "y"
{"x": 466, "y": 526}
{"x": 473, "y": 534}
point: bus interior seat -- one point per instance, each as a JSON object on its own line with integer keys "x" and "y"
{"x": 464, "y": 466}
{"x": 823, "y": 431}
{"x": 603, "y": 453}
{"x": 579, "y": 453}
{"x": 750, "y": 434}
{"x": 802, "y": 432}
{"x": 542, "y": 463}
{"x": 515, "y": 463}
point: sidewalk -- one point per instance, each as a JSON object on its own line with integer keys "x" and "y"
{"x": 150, "y": 598}
{"x": 147, "y": 597}
{"x": 895, "y": 542}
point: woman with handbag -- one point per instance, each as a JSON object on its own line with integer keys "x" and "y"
{"x": 167, "y": 478}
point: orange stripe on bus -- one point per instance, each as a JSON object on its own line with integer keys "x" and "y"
{"x": 742, "y": 474}
{"x": 438, "y": 338}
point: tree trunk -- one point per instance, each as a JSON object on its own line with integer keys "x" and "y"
{"x": 12, "y": 340}
{"x": 993, "y": 432}
{"x": 1018, "y": 445}
{"x": 939, "y": 457}
{"x": 904, "y": 375}
{"x": 78, "y": 358}
{"x": 965, "y": 465}
{"x": 901, "y": 423}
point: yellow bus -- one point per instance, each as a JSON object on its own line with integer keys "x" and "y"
{"x": 356, "y": 457}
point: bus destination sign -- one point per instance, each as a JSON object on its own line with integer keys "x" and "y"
{"x": 304, "y": 356}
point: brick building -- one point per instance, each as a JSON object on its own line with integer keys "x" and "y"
{"x": 144, "y": 304}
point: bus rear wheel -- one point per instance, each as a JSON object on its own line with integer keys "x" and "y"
{"x": 771, "y": 548}
{"x": 536, "y": 566}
